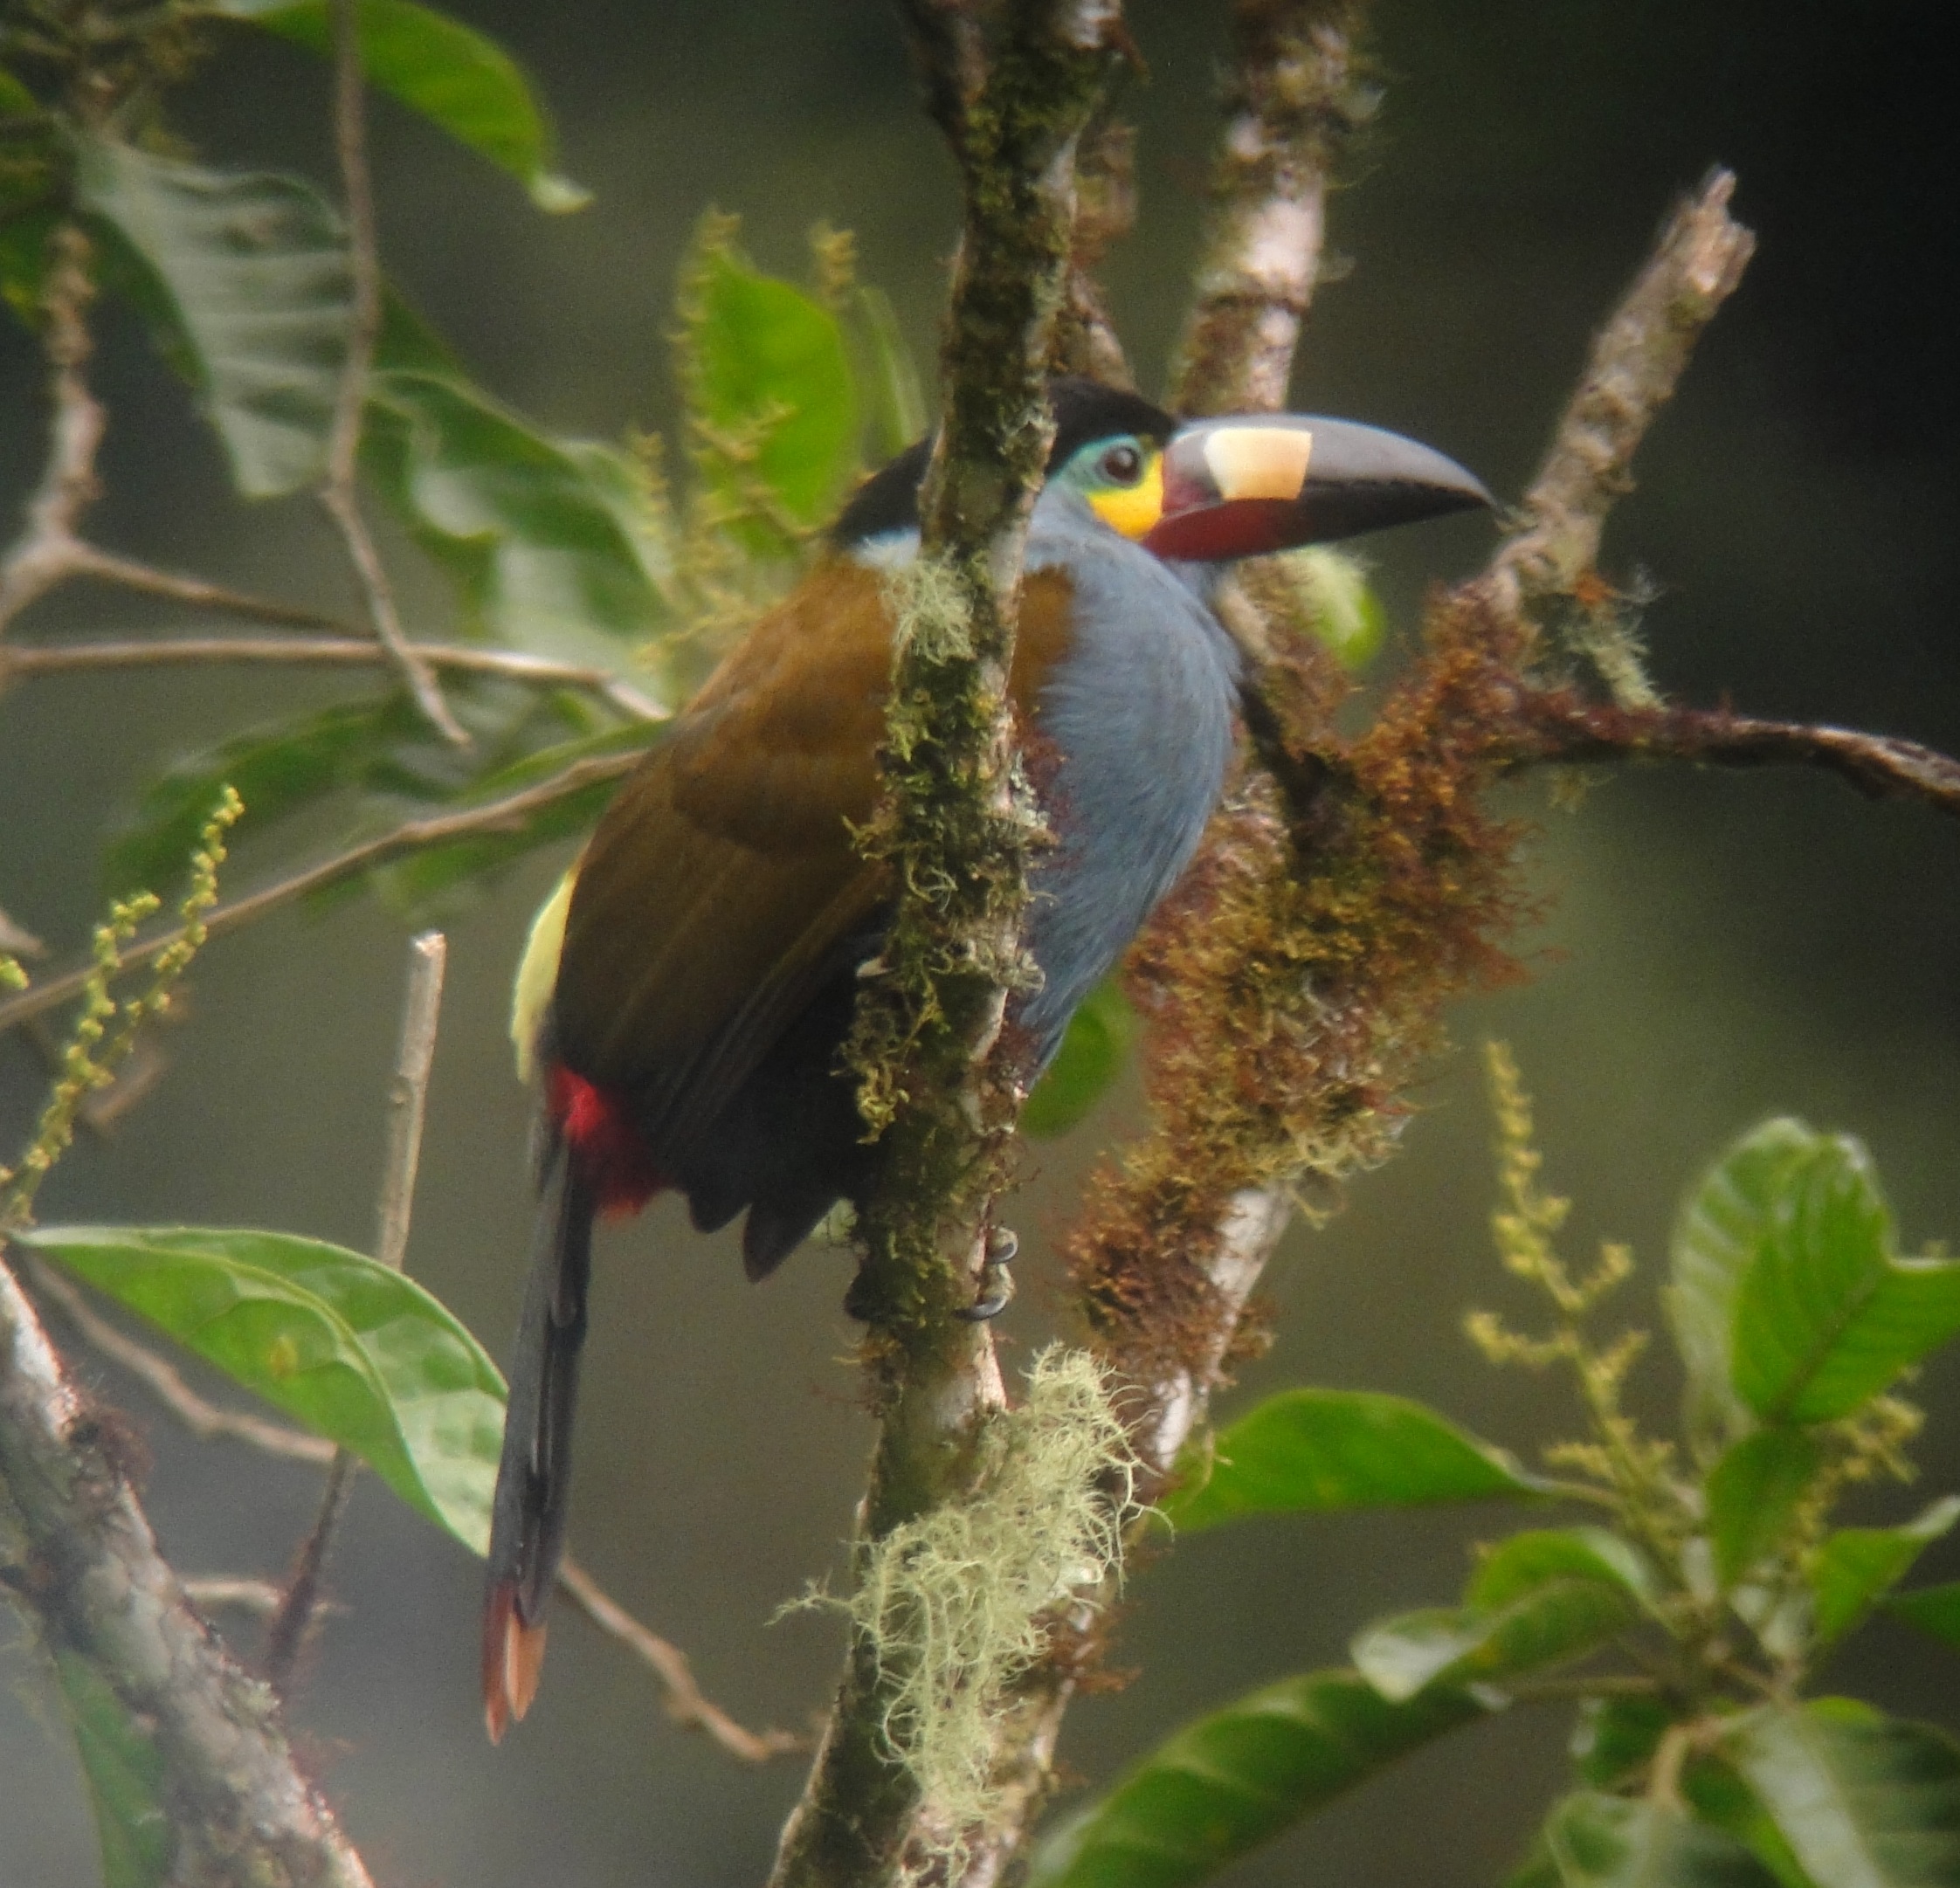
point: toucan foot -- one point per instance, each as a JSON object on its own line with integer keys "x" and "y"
{"x": 996, "y": 1283}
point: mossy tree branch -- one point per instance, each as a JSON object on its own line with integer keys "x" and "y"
{"x": 1013, "y": 87}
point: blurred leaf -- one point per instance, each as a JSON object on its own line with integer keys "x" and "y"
{"x": 1753, "y": 1492}
{"x": 248, "y": 275}
{"x": 125, "y": 1774}
{"x": 1537, "y": 1870}
{"x": 359, "y": 1354}
{"x": 888, "y": 375}
{"x": 15, "y": 100}
{"x": 1321, "y": 1450}
{"x": 1854, "y": 1567}
{"x": 1825, "y": 1318}
{"x": 277, "y": 767}
{"x": 24, "y": 255}
{"x": 771, "y": 406}
{"x": 1230, "y": 1782}
{"x": 434, "y": 64}
{"x": 1932, "y": 1609}
{"x": 1345, "y": 614}
{"x": 1863, "y": 1800}
{"x": 425, "y": 882}
{"x": 1715, "y": 1235}
{"x": 531, "y": 536}
{"x": 1721, "y": 1798}
{"x": 1614, "y": 1738}
{"x": 1547, "y": 1604}
{"x": 1596, "y": 1841}
{"x": 1518, "y": 1567}
{"x": 1091, "y": 1058}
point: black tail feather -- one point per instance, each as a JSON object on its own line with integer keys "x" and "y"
{"x": 534, "y": 1478}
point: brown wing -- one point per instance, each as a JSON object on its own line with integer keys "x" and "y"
{"x": 722, "y": 883}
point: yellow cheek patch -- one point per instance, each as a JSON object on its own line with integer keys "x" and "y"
{"x": 1133, "y": 510}
{"x": 1258, "y": 462}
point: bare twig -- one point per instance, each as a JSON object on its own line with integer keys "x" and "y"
{"x": 317, "y": 652}
{"x": 509, "y": 813}
{"x": 18, "y": 942}
{"x": 247, "y": 1596}
{"x": 686, "y": 1705}
{"x": 1293, "y": 104}
{"x": 238, "y": 1806}
{"x": 205, "y": 1419}
{"x": 340, "y": 492}
{"x": 408, "y": 1095}
{"x": 1635, "y": 361}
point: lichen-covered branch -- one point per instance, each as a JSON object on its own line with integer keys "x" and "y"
{"x": 98, "y": 1591}
{"x": 1014, "y": 86}
{"x": 1294, "y": 100}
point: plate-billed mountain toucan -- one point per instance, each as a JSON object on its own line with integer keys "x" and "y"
{"x": 685, "y": 995}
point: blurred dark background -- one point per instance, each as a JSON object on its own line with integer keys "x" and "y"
{"x": 1719, "y": 947}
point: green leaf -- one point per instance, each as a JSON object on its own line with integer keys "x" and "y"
{"x": 1614, "y": 1738}
{"x": 1318, "y": 1451}
{"x": 1345, "y": 614}
{"x": 888, "y": 375}
{"x": 278, "y": 768}
{"x": 453, "y": 75}
{"x": 1596, "y": 1841}
{"x": 248, "y": 276}
{"x": 359, "y": 1354}
{"x": 1230, "y": 1782}
{"x": 531, "y": 534}
{"x": 1935, "y": 1610}
{"x": 1825, "y": 1318}
{"x": 1854, "y": 1567}
{"x": 124, "y": 1772}
{"x": 771, "y": 403}
{"x": 1091, "y": 1058}
{"x": 1753, "y": 1492}
{"x": 1522, "y": 1565}
{"x": 15, "y": 100}
{"x": 1862, "y": 1800}
{"x": 1715, "y": 1235}
{"x": 425, "y": 881}
{"x": 1718, "y": 1795}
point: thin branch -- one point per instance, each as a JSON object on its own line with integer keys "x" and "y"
{"x": 212, "y": 1592}
{"x": 205, "y": 1419}
{"x": 1293, "y": 104}
{"x": 408, "y": 1096}
{"x": 238, "y": 1806}
{"x": 1631, "y": 373}
{"x": 504, "y": 815}
{"x": 685, "y": 1703}
{"x": 317, "y": 652}
{"x": 340, "y": 492}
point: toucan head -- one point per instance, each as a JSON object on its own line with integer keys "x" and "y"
{"x": 1210, "y": 490}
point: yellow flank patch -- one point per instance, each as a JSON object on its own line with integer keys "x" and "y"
{"x": 1133, "y": 510}
{"x": 1258, "y": 462}
{"x": 537, "y": 974}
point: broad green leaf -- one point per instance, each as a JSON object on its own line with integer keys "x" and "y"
{"x": 1544, "y": 1622}
{"x": 1321, "y": 1450}
{"x": 1345, "y": 614}
{"x": 425, "y": 881}
{"x": 1519, "y": 1566}
{"x": 1230, "y": 1782}
{"x": 1718, "y": 1793}
{"x": 771, "y": 398}
{"x": 1855, "y": 1568}
{"x": 1933, "y": 1609}
{"x": 532, "y": 537}
{"x": 248, "y": 275}
{"x": 1537, "y": 1870}
{"x": 120, "y": 1761}
{"x": 15, "y": 100}
{"x": 1862, "y": 1800}
{"x": 434, "y": 64}
{"x": 1715, "y": 1235}
{"x": 24, "y": 255}
{"x": 1596, "y": 1841}
{"x": 277, "y": 767}
{"x": 1753, "y": 1492}
{"x": 1092, "y": 1056}
{"x": 1615, "y": 1737}
{"x": 1826, "y": 1317}
{"x": 888, "y": 375}
{"x": 359, "y": 1354}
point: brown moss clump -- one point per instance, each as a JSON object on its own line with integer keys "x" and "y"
{"x": 1296, "y": 988}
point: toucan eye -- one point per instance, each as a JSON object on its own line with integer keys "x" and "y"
{"x": 1122, "y": 464}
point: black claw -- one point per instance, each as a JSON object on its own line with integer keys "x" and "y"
{"x": 996, "y": 1284}
{"x": 990, "y": 1306}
